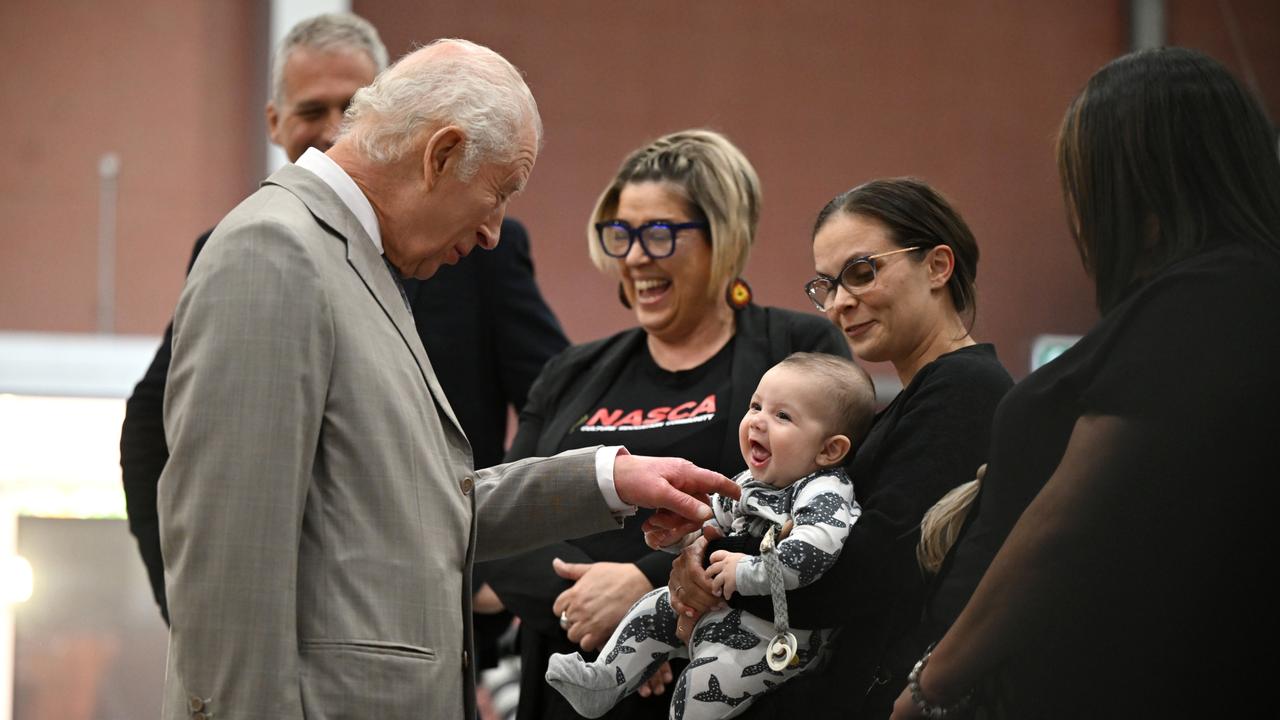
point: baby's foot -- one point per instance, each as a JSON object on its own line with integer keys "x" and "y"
{"x": 590, "y": 688}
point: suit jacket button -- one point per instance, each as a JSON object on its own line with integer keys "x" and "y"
{"x": 467, "y": 485}
{"x": 466, "y": 659}
{"x": 195, "y": 704}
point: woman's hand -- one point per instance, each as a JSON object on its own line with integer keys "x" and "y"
{"x": 657, "y": 682}
{"x": 601, "y": 595}
{"x": 904, "y": 708}
{"x": 691, "y": 591}
{"x": 724, "y": 573}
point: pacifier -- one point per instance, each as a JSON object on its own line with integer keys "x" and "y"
{"x": 781, "y": 652}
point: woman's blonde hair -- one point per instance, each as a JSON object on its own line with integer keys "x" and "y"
{"x": 716, "y": 180}
{"x": 941, "y": 524}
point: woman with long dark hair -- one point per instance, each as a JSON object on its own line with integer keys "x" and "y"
{"x": 1131, "y": 476}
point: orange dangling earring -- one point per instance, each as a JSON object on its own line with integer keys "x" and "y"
{"x": 622, "y": 296}
{"x": 739, "y": 294}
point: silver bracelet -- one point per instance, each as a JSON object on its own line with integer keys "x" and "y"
{"x": 935, "y": 712}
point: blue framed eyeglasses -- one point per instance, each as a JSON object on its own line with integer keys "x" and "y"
{"x": 657, "y": 238}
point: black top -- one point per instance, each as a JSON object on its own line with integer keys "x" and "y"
{"x": 144, "y": 452}
{"x": 569, "y": 391}
{"x": 486, "y": 329}
{"x": 654, "y": 411}
{"x": 932, "y": 437}
{"x": 1166, "y": 615}
{"x": 574, "y": 382}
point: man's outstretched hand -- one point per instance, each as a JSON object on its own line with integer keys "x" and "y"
{"x": 676, "y": 488}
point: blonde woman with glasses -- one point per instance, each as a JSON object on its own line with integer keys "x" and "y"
{"x": 674, "y": 226}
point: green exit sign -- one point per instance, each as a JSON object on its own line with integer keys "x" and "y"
{"x": 1047, "y": 347}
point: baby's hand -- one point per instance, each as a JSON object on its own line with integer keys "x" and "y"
{"x": 723, "y": 572}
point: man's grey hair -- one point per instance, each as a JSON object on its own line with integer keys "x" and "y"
{"x": 327, "y": 33}
{"x": 475, "y": 89}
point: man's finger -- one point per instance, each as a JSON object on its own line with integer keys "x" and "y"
{"x": 665, "y": 528}
{"x": 672, "y": 523}
{"x": 700, "y": 481}
{"x": 669, "y": 498}
{"x": 669, "y": 521}
{"x": 662, "y": 538}
{"x": 662, "y": 521}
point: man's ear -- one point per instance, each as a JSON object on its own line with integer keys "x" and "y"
{"x": 442, "y": 154}
{"x": 273, "y": 122}
{"x": 833, "y": 450}
{"x": 942, "y": 262}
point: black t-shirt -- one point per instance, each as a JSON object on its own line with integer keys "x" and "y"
{"x": 660, "y": 412}
{"x": 1172, "y": 615}
{"x": 655, "y": 412}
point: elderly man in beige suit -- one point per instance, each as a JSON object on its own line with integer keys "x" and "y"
{"x": 320, "y": 511}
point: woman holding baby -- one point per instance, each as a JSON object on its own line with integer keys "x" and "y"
{"x": 896, "y": 266}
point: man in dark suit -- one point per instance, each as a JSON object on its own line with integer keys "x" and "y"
{"x": 483, "y": 322}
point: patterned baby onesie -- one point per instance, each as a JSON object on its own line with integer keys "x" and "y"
{"x": 727, "y": 667}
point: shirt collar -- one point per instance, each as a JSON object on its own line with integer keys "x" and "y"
{"x": 335, "y": 177}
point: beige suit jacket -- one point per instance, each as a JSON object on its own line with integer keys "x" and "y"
{"x": 319, "y": 513}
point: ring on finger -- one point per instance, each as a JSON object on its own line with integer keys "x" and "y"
{"x": 565, "y": 622}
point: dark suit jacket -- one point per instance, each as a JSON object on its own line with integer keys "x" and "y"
{"x": 484, "y": 324}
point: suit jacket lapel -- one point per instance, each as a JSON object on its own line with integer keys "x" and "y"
{"x": 329, "y": 210}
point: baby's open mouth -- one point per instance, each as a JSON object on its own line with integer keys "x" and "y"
{"x": 759, "y": 453}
